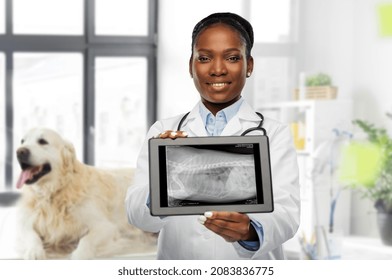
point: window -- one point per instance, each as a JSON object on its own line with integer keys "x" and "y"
{"x": 271, "y": 20}
{"x": 2, "y": 120}
{"x": 32, "y": 17}
{"x": 125, "y": 18}
{"x": 120, "y": 84}
{"x": 274, "y": 50}
{"x": 43, "y": 81}
{"x": 272, "y": 79}
{"x": 2, "y": 16}
{"x": 83, "y": 68}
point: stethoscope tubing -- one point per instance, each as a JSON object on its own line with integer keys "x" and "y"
{"x": 259, "y": 127}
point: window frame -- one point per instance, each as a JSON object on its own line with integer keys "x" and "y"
{"x": 150, "y": 38}
{"x": 151, "y": 90}
{"x": 288, "y": 49}
{"x": 90, "y": 46}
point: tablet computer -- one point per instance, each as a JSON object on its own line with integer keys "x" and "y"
{"x": 189, "y": 176}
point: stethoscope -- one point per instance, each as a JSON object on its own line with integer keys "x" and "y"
{"x": 259, "y": 127}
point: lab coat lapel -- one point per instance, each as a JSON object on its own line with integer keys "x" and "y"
{"x": 233, "y": 127}
{"x": 236, "y": 125}
{"x": 197, "y": 128}
{"x": 194, "y": 124}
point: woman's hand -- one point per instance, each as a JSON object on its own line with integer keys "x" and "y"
{"x": 172, "y": 134}
{"x": 232, "y": 226}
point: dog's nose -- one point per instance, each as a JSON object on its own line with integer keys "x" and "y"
{"x": 23, "y": 154}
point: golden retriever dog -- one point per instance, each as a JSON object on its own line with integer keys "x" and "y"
{"x": 69, "y": 209}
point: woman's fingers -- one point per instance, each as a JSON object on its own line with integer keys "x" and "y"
{"x": 172, "y": 134}
{"x": 232, "y": 226}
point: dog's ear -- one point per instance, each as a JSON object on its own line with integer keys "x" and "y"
{"x": 68, "y": 155}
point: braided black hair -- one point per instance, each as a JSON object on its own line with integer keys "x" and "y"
{"x": 235, "y": 21}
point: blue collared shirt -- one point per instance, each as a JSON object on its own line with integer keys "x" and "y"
{"x": 214, "y": 126}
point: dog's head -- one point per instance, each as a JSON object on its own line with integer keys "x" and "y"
{"x": 41, "y": 153}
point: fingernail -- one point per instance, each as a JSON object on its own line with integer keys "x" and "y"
{"x": 202, "y": 219}
{"x": 208, "y": 214}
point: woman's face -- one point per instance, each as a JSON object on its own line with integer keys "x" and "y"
{"x": 219, "y": 66}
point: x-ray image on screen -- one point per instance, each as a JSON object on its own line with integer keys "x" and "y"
{"x": 192, "y": 175}
{"x": 210, "y": 175}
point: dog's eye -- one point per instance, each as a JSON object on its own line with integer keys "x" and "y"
{"x": 22, "y": 141}
{"x": 42, "y": 142}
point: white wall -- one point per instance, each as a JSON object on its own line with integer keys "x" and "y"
{"x": 372, "y": 89}
{"x": 340, "y": 37}
{"x": 326, "y": 41}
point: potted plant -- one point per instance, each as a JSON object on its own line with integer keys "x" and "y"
{"x": 318, "y": 80}
{"x": 374, "y": 179}
{"x": 317, "y": 86}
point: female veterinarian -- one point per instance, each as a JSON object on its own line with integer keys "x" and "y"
{"x": 219, "y": 65}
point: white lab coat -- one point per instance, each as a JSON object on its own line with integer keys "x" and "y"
{"x": 183, "y": 237}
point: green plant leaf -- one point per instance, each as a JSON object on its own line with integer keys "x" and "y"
{"x": 319, "y": 79}
{"x": 375, "y": 182}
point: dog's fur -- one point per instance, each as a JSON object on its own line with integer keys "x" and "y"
{"x": 72, "y": 210}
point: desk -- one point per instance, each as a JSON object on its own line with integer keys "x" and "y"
{"x": 353, "y": 248}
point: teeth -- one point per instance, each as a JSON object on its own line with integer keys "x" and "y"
{"x": 218, "y": 84}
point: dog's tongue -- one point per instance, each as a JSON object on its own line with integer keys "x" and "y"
{"x": 24, "y": 176}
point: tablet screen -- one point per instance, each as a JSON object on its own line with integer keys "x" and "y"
{"x": 190, "y": 175}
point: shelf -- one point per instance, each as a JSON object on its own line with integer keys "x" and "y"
{"x": 301, "y": 103}
{"x": 313, "y": 125}
{"x": 288, "y": 104}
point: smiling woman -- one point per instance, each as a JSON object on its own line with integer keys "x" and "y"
{"x": 219, "y": 73}
{"x": 220, "y": 64}
{"x": 220, "y": 61}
